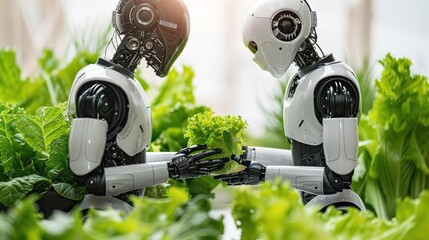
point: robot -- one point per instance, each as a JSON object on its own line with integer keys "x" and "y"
{"x": 321, "y": 108}
{"x": 111, "y": 116}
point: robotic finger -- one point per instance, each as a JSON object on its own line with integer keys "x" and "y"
{"x": 208, "y": 153}
{"x": 190, "y": 166}
{"x": 212, "y": 165}
{"x": 253, "y": 174}
{"x": 192, "y": 149}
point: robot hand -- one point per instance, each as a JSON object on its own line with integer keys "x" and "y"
{"x": 253, "y": 174}
{"x": 189, "y": 163}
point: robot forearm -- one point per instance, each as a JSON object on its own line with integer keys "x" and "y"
{"x": 157, "y": 157}
{"x": 309, "y": 179}
{"x": 269, "y": 156}
{"x": 127, "y": 178}
{"x": 122, "y": 179}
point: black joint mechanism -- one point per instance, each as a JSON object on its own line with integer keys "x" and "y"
{"x": 95, "y": 183}
{"x": 334, "y": 183}
{"x": 101, "y": 100}
{"x": 173, "y": 171}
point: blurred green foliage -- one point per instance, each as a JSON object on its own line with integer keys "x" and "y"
{"x": 175, "y": 217}
{"x": 274, "y": 211}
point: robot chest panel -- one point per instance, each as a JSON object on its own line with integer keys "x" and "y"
{"x": 300, "y": 120}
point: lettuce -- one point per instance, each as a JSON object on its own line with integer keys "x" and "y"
{"x": 218, "y": 132}
{"x": 394, "y": 157}
{"x": 273, "y": 211}
{"x": 175, "y": 217}
{"x": 173, "y": 103}
{"x": 50, "y": 86}
{"x": 34, "y": 154}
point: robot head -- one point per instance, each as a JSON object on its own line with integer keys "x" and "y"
{"x": 274, "y": 30}
{"x": 157, "y": 30}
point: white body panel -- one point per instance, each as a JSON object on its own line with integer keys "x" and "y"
{"x": 270, "y": 156}
{"x": 136, "y": 134}
{"x": 309, "y": 179}
{"x": 104, "y": 203}
{"x": 122, "y": 179}
{"x": 300, "y": 119}
{"x": 156, "y": 157}
{"x": 340, "y": 200}
{"x": 340, "y": 144}
{"x": 274, "y": 55}
{"x": 86, "y": 144}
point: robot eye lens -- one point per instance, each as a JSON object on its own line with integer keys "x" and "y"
{"x": 145, "y": 16}
{"x": 286, "y": 26}
{"x": 253, "y": 47}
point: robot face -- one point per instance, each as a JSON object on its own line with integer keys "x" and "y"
{"x": 158, "y": 29}
{"x": 274, "y": 31}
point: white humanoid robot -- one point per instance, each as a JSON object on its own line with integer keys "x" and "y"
{"x": 321, "y": 108}
{"x": 111, "y": 126}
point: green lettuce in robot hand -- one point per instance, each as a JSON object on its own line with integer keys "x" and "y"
{"x": 218, "y": 132}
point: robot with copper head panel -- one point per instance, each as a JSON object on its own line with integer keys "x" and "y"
{"x": 111, "y": 126}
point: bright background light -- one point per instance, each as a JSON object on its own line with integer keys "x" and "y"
{"x": 226, "y": 78}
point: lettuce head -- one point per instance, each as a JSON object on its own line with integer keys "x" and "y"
{"x": 218, "y": 132}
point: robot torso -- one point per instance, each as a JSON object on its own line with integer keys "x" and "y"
{"x": 331, "y": 90}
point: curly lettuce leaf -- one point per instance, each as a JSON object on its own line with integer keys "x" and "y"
{"x": 218, "y": 132}
{"x": 394, "y": 156}
{"x": 273, "y": 210}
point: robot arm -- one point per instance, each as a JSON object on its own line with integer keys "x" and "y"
{"x": 315, "y": 180}
{"x": 187, "y": 163}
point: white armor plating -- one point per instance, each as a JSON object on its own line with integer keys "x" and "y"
{"x": 86, "y": 144}
{"x": 340, "y": 144}
{"x": 274, "y": 55}
{"x": 300, "y": 121}
{"x": 137, "y": 132}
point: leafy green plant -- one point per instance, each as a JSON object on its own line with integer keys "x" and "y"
{"x": 218, "y": 132}
{"x": 175, "y": 217}
{"x": 274, "y": 211}
{"x": 34, "y": 154}
{"x": 173, "y": 103}
{"x": 49, "y": 87}
{"x": 394, "y": 155}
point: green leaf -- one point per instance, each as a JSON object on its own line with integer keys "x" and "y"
{"x": 48, "y": 62}
{"x": 69, "y": 191}
{"x": 274, "y": 211}
{"x": 41, "y": 130}
{"x": 202, "y": 186}
{"x": 18, "y": 188}
{"x": 57, "y": 165}
{"x": 16, "y": 157}
{"x": 177, "y": 88}
{"x": 416, "y": 211}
